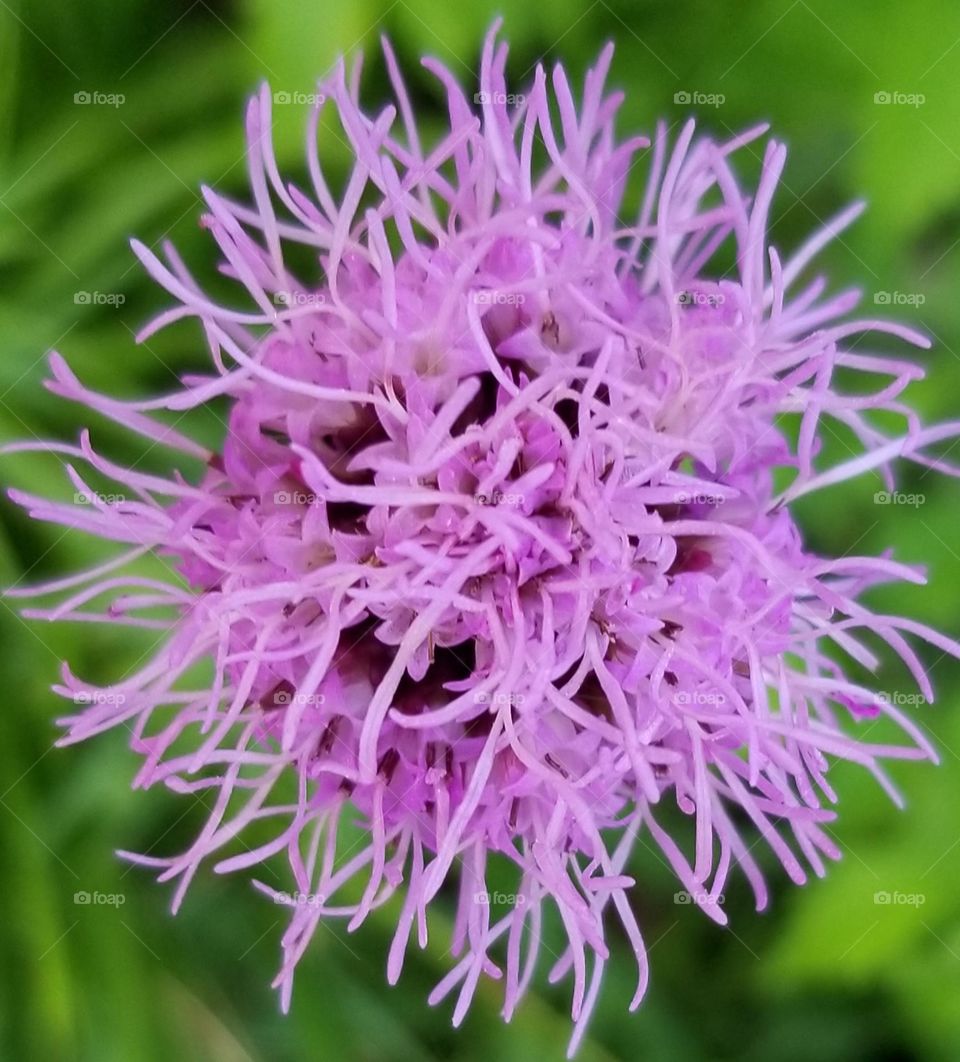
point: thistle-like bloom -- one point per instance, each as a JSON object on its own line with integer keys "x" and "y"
{"x": 497, "y": 554}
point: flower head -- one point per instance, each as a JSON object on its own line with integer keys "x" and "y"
{"x": 497, "y": 552}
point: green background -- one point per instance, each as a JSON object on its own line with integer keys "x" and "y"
{"x": 828, "y": 974}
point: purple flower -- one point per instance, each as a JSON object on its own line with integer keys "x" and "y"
{"x": 497, "y": 554}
